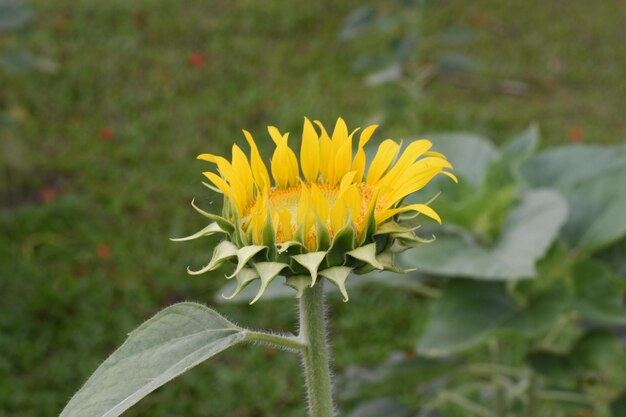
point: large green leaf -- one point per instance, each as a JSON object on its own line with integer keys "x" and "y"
{"x": 173, "y": 341}
{"x": 529, "y": 230}
{"x": 593, "y": 179}
{"x": 464, "y": 316}
{"x": 565, "y": 166}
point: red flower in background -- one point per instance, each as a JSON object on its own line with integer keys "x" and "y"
{"x": 576, "y": 135}
{"x": 103, "y": 251}
{"x": 197, "y": 59}
{"x": 106, "y": 133}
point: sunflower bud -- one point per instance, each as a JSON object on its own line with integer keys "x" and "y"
{"x": 335, "y": 220}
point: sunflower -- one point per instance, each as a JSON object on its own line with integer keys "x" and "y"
{"x": 324, "y": 215}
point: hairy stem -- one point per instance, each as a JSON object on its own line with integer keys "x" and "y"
{"x": 315, "y": 354}
{"x": 282, "y": 341}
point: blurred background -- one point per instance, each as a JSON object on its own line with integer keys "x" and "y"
{"x": 105, "y": 105}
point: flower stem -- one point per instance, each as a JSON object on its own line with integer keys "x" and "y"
{"x": 315, "y": 355}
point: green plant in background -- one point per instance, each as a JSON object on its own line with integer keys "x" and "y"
{"x": 394, "y": 39}
{"x": 530, "y": 314}
{"x": 338, "y": 219}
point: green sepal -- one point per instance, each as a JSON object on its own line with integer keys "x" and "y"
{"x": 366, "y": 254}
{"x": 210, "y": 187}
{"x": 267, "y": 272}
{"x": 222, "y": 252}
{"x": 240, "y": 236}
{"x": 311, "y": 261}
{"x": 364, "y": 269}
{"x": 391, "y": 228}
{"x": 207, "y": 231}
{"x": 269, "y": 236}
{"x": 244, "y": 277}
{"x": 343, "y": 242}
{"x": 388, "y": 260}
{"x": 244, "y": 255}
{"x": 226, "y": 225}
{"x": 338, "y": 276}
{"x": 299, "y": 283}
{"x": 299, "y": 235}
{"x": 284, "y": 247}
{"x": 370, "y": 221}
{"x": 412, "y": 237}
{"x": 397, "y": 246}
{"x": 323, "y": 236}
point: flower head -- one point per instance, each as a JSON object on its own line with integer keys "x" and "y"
{"x": 324, "y": 215}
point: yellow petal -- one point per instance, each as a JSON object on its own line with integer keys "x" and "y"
{"x": 243, "y": 172}
{"x": 285, "y": 224}
{"x": 259, "y": 170}
{"x": 319, "y": 202}
{"x": 451, "y": 175}
{"x": 352, "y": 199}
{"x": 219, "y": 183}
{"x": 276, "y": 136}
{"x": 413, "y": 183}
{"x": 346, "y": 181}
{"x": 437, "y": 154}
{"x": 326, "y": 158}
{"x": 422, "y": 208}
{"x": 310, "y": 152}
{"x": 358, "y": 164}
{"x": 285, "y": 165}
{"x": 385, "y": 155}
{"x": 408, "y": 157}
{"x": 343, "y": 161}
{"x": 338, "y": 214}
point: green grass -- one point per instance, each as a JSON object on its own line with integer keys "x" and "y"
{"x": 123, "y": 65}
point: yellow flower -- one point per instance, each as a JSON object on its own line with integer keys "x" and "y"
{"x": 334, "y": 219}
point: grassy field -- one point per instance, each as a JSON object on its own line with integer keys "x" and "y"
{"x": 98, "y": 169}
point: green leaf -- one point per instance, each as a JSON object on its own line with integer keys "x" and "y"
{"x": 529, "y": 230}
{"x": 464, "y": 316}
{"x": 173, "y": 341}
{"x": 598, "y": 206}
{"x": 599, "y": 293}
{"x": 593, "y": 178}
{"x": 568, "y": 165}
{"x": 207, "y": 231}
{"x": 515, "y": 152}
{"x": 597, "y": 349}
{"x": 311, "y": 261}
{"x": 539, "y": 314}
{"x": 367, "y": 254}
{"x": 470, "y": 154}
